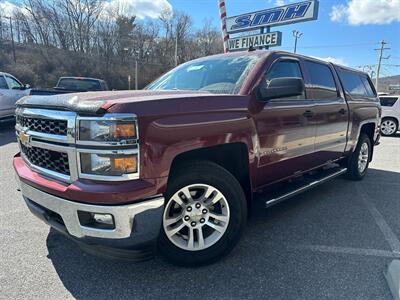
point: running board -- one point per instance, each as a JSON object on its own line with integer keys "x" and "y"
{"x": 304, "y": 185}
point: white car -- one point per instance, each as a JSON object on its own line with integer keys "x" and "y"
{"x": 390, "y": 114}
{"x": 11, "y": 89}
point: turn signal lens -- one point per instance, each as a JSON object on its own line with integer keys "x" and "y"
{"x": 125, "y": 165}
{"x": 124, "y": 131}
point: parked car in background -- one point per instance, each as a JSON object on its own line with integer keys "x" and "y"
{"x": 390, "y": 114}
{"x": 66, "y": 85}
{"x": 11, "y": 90}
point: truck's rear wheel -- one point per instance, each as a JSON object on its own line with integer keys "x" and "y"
{"x": 204, "y": 214}
{"x": 359, "y": 161}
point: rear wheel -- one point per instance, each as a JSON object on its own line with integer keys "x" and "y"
{"x": 204, "y": 214}
{"x": 358, "y": 163}
{"x": 389, "y": 127}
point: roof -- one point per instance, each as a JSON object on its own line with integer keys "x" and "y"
{"x": 265, "y": 53}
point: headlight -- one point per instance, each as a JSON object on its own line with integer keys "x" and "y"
{"x": 108, "y": 164}
{"x": 111, "y": 131}
{"x": 108, "y": 147}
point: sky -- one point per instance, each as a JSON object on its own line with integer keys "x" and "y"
{"x": 347, "y": 31}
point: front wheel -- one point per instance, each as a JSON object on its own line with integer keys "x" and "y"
{"x": 359, "y": 161}
{"x": 204, "y": 214}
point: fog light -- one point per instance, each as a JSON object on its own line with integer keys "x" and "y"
{"x": 96, "y": 220}
{"x": 106, "y": 219}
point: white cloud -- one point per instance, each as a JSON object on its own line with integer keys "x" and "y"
{"x": 7, "y": 8}
{"x": 139, "y": 8}
{"x": 360, "y": 12}
{"x": 335, "y": 60}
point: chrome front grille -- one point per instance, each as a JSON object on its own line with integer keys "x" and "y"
{"x": 49, "y": 144}
{"x": 48, "y": 126}
{"x": 47, "y": 159}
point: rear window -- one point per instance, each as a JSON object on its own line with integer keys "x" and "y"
{"x": 388, "y": 101}
{"x": 322, "y": 82}
{"x": 356, "y": 84}
{"x": 75, "y": 84}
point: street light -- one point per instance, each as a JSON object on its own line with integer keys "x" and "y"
{"x": 297, "y": 34}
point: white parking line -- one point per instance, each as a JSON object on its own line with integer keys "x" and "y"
{"x": 348, "y": 250}
{"x": 388, "y": 233}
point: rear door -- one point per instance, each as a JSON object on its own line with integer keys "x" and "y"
{"x": 331, "y": 112}
{"x": 285, "y": 128}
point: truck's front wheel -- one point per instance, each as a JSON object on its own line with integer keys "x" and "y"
{"x": 204, "y": 214}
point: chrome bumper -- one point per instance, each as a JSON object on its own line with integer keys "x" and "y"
{"x": 130, "y": 220}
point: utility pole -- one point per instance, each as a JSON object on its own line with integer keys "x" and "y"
{"x": 137, "y": 56}
{"x": 296, "y": 34}
{"x": 12, "y": 39}
{"x": 381, "y": 49}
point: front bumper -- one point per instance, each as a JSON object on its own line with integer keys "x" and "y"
{"x": 136, "y": 225}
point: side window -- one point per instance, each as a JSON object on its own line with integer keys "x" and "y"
{"x": 353, "y": 83}
{"x": 3, "y": 83}
{"x": 322, "y": 81}
{"x": 368, "y": 87}
{"x": 285, "y": 68}
{"x": 12, "y": 83}
{"x": 388, "y": 101}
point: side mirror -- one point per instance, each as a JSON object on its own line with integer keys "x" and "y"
{"x": 27, "y": 86}
{"x": 281, "y": 87}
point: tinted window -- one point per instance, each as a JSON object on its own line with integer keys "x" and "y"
{"x": 388, "y": 101}
{"x": 12, "y": 83}
{"x": 322, "y": 81}
{"x": 353, "y": 83}
{"x": 3, "y": 83}
{"x": 368, "y": 87}
{"x": 285, "y": 68}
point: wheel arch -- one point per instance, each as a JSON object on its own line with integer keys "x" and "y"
{"x": 232, "y": 156}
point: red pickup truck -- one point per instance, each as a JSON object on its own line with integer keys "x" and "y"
{"x": 174, "y": 167}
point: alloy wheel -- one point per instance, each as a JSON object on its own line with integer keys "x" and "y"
{"x": 363, "y": 157}
{"x": 196, "y": 217}
{"x": 388, "y": 127}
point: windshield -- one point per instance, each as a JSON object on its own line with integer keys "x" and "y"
{"x": 220, "y": 75}
{"x": 76, "y": 84}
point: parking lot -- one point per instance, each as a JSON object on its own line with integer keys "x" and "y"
{"x": 329, "y": 243}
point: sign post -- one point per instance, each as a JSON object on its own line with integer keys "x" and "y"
{"x": 222, "y": 13}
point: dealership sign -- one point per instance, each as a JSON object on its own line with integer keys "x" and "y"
{"x": 282, "y": 15}
{"x": 257, "y": 40}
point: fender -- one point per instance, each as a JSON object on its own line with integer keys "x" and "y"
{"x": 169, "y": 137}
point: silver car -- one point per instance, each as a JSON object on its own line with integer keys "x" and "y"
{"x": 11, "y": 89}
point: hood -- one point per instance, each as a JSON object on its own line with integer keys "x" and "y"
{"x": 95, "y": 103}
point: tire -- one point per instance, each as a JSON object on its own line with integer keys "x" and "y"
{"x": 194, "y": 180}
{"x": 358, "y": 162}
{"x": 389, "y": 126}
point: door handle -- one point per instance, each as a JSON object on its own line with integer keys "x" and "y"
{"x": 342, "y": 111}
{"x": 308, "y": 114}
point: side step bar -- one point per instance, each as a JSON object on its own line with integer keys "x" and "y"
{"x": 309, "y": 184}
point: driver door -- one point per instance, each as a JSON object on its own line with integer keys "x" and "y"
{"x": 285, "y": 128}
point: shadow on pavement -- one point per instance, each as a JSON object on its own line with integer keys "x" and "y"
{"x": 259, "y": 267}
{"x": 7, "y": 133}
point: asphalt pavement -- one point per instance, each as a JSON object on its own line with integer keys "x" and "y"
{"x": 332, "y": 242}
